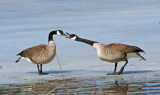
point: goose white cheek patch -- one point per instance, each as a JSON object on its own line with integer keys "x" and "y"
{"x": 58, "y": 33}
{"x": 74, "y": 38}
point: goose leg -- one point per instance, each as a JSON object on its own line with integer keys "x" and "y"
{"x": 41, "y": 68}
{"x": 114, "y": 70}
{"x": 41, "y": 73}
{"x": 122, "y": 68}
{"x": 38, "y": 69}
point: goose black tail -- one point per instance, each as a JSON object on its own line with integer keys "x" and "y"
{"x": 18, "y": 60}
{"x": 142, "y": 56}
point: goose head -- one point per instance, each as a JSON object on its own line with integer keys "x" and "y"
{"x": 57, "y": 32}
{"x": 72, "y": 36}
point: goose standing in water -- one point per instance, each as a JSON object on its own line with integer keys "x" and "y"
{"x": 41, "y": 54}
{"x": 114, "y": 52}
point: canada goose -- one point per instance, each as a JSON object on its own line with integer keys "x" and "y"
{"x": 41, "y": 54}
{"x": 114, "y": 52}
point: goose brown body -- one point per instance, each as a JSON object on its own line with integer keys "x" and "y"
{"x": 41, "y": 54}
{"x": 113, "y": 53}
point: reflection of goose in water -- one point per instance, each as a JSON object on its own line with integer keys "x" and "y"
{"x": 41, "y": 54}
{"x": 113, "y": 53}
{"x": 122, "y": 87}
{"x": 115, "y": 88}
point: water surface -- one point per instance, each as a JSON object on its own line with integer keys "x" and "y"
{"x": 24, "y": 24}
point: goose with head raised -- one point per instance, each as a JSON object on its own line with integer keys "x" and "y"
{"x": 41, "y": 54}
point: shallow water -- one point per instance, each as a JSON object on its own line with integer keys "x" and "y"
{"x": 24, "y": 24}
{"x": 94, "y": 86}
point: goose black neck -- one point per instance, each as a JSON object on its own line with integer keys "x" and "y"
{"x": 89, "y": 42}
{"x": 50, "y": 36}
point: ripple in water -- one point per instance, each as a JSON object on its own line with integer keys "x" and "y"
{"x": 84, "y": 86}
